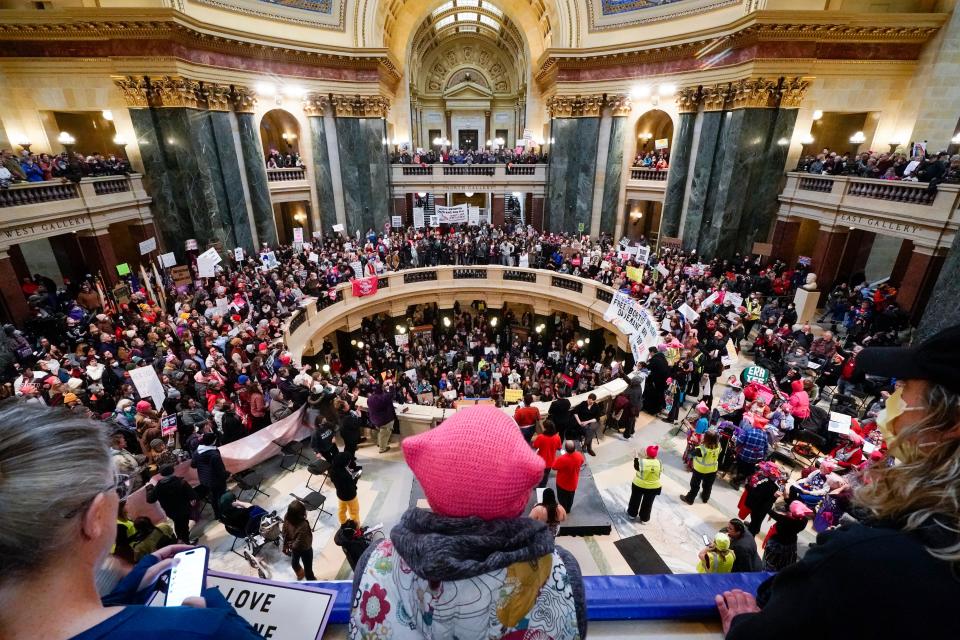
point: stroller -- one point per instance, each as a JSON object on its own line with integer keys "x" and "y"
{"x": 354, "y": 540}
{"x": 268, "y": 531}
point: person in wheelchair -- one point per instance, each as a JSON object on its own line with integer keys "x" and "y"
{"x": 732, "y": 401}
{"x": 810, "y": 490}
{"x": 240, "y": 516}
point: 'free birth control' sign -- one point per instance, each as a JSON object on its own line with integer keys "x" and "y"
{"x": 277, "y": 611}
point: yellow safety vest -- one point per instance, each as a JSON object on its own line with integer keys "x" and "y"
{"x": 717, "y": 564}
{"x": 706, "y": 463}
{"x": 648, "y": 475}
{"x": 753, "y": 309}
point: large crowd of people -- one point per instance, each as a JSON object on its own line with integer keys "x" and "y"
{"x": 225, "y": 373}
{"x": 442, "y": 155}
{"x": 68, "y": 166}
{"x": 932, "y": 168}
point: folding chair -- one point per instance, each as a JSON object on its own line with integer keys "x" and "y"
{"x": 249, "y": 480}
{"x": 293, "y": 449}
{"x": 318, "y": 468}
{"x": 313, "y": 501}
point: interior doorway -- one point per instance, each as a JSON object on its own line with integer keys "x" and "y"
{"x": 467, "y": 139}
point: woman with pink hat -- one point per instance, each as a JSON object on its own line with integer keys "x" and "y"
{"x": 646, "y": 485}
{"x": 471, "y": 566}
{"x": 780, "y": 547}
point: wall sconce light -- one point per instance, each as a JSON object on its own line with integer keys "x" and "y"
{"x": 489, "y": 143}
{"x": 817, "y": 114}
{"x": 807, "y": 139}
{"x": 289, "y": 137}
{"x": 493, "y": 321}
{"x": 24, "y": 143}
{"x": 645, "y": 136}
{"x": 580, "y": 343}
{"x": 326, "y": 368}
{"x": 499, "y": 141}
{"x": 359, "y": 344}
{"x": 66, "y": 139}
{"x": 107, "y": 115}
{"x": 446, "y": 321}
{"x": 858, "y": 138}
{"x": 783, "y": 142}
{"x": 421, "y": 194}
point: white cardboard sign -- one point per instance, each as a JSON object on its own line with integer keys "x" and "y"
{"x": 148, "y": 384}
{"x": 147, "y": 246}
{"x": 277, "y": 611}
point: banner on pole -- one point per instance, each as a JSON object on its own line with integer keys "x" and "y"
{"x": 418, "y": 217}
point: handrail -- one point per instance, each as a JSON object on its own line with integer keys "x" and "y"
{"x": 643, "y": 173}
{"x": 29, "y": 193}
{"x": 286, "y": 174}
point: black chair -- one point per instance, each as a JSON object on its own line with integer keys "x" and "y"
{"x": 238, "y": 535}
{"x": 249, "y": 480}
{"x": 293, "y": 449}
{"x": 320, "y": 468}
{"x": 313, "y": 501}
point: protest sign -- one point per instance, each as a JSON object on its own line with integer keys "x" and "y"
{"x": 168, "y": 260}
{"x": 148, "y": 384}
{"x": 635, "y": 274}
{"x": 473, "y": 216}
{"x": 643, "y": 254}
{"x": 632, "y": 319}
{"x": 238, "y": 254}
{"x": 269, "y": 260}
{"x": 418, "y": 217}
{"x": 396, "y": 221}
{"x": 688, "y": 312}
{"x": 839, "y": 423}
{"x": 733, "y": 298}
{"x": 338, "y": 228}
{"x": 512, "y": 395}
{"x": 365, "y": 286}
{"x": 298, "y": 234}
{"x": 207, "y": 262}
{"x": 411, "y": 375}
{"x": 709, "y": 301}
{"x": 168, "y": 425}
{"x": 452, "y": 215}
{"x": 524, "y": 262}
{"x": 148, "y": 245}
{"x": 181, "y": 275}
{"x": 434, "y": 221}
{"x": 401, "y": 339}
{"x": 123, "y": 269}
{"x": 313, "y": 257}
{"x": 663, "y": 270}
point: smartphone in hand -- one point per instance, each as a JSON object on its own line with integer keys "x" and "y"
{"x": 188, "y": 576}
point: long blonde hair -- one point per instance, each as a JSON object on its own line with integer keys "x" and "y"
{"x": 925, "y": 491}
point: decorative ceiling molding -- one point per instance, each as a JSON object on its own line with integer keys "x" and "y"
{"x": 322, "y": 14}
{"x": 174, "y": 91}
{"x": 747, "y": 93}
{"x": 359, "y": 106}
{"x": 605, "y": 15}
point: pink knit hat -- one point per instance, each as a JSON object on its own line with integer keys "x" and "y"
{"x": 475, "y": 464}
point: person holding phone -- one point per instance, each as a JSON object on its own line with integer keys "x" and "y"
{"x": 48, "y": 566}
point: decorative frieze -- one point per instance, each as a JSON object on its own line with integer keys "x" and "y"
{"x": 359, "y": 106}
{"x": 575, "y": 106}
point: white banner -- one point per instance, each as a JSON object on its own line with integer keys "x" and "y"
{"x": 452, "y": 215}
{"x": 633, "y": 320}
{"x": 168, "y": 260}
{"x": 418, "y": 217}
{"x": 207, "y": 261}
{"x": 396, "y": 221}
{"x": 401, "y": 339}
{"x": 298, "y": 234}
{"x": 473, "y": 217}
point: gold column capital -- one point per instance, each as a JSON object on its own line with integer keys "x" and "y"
{"x": 753, "y": 93}
{"x": 588, "y": 106}
{"x": 174, "y": 91}
{"x": 360, "y": 106}
{"x": 315, "y": 105}
{"x": 714, "y": 97}
{"x": 688, "y": 99}
{"x": 243, "y": 98}
{"x": 135, "y": 91}
{"x": 620, "y": 105}
{"x": 217, "y": 96}
{"x": 792, "y": 92}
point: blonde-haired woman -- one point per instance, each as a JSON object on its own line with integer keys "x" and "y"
{"x": 905, "y": 555}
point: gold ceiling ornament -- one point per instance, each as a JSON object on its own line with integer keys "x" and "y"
{"x": 360, "y": 106}
{"x": 575, "y": 106}
{"x": 135, "y": 91}
{"x": 753, "y": 93}
{"x": 688, "y": 99}
{"x": 315, "y": 105}
{"x": 620, "y": 105}
{"x": 217, "y": 96}
{"x": 792, "y": 92}
{"x": 174, "y": 91}
{"x": 243, "y": 98}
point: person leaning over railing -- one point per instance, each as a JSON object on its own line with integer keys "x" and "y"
{"x": 905, "y": 555}
{"x": 59, "y": 497}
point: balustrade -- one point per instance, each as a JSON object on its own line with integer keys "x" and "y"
{"x": 648, "y": 174}
{"x": 469, "y": 274}
{"x": 113, "y": 185}
{"x": 908, "y": 192}
{"x": 469, "y": 170}
{"x": 823, "y": 185}
{"x": 38, "y": 193}
{"x": 567, "y": 283}
{"x": 286, "y": 174}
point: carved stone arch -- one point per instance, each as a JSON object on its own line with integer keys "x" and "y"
{"x": 468, "y": 73}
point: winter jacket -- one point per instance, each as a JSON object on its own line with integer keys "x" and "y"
{"x": 210, "y": 470}
{"x": 380, "y": 408}
{"x": 799, "y": 401}
{"x": 443, "y": 577}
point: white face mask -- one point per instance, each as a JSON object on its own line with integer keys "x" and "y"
{"x": 894, "y": 408}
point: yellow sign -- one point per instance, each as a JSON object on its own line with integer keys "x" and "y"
{"x": 661, "y": 143}
{"x": 635, "y": 273}
{"x": 513, "y": 395}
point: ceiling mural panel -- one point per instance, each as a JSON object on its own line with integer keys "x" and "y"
{"x": 621, "y": 6}
{"x": 617, "y": 14}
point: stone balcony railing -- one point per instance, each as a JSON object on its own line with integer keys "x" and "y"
{"x": 910, "y": 210}
{"x": 646, "y": 184}
{"x": 286, "y": 174}
{"x": 288, "y": 184}
{"x": 32, "y": 210}
{"x": 407, "y": 178}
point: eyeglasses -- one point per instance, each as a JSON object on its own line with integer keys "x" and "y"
{"x": 122, "y": 484}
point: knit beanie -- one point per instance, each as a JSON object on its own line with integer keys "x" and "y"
{"x": 476, "y": 463}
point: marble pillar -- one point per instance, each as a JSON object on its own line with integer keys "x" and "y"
{"x": 702, "y": 181}
{"x": 321, "y": 172}
{"x": 228, "y": 183}
{"x": 256, "y": 173}
{"x": 827, "y": 253}
{"x": 12, "y": 300}
{"x": 170, "y": 211}
{"x": 919, "y": 280}
{"x": 536, "y": 213}
{"x": 69, "y": 255}
{"x": 497, "y": 210}
{"x": 677, "y": 178}
{"x": 365, "y": 172}
{"x": 785, "y": 234}
{"x": 573, "y": 159}
{"x": 99, "y": 255}
{"x": 942, "y": 309}
{"x": 614, "y": 176}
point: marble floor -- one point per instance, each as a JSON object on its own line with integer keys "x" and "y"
{"x": 675, "y": 530}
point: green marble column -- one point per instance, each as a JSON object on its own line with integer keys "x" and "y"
{"x": 613, "y": 176}
{"x": 321, "y": 172}
{"x": 255, "y": 170}
{"x": 677, "y": 177}
{"x": 365, "y": 172}
{"x": 573, "y": 160}
{"x": 703, "y": 180}
{"x": 942, "y": 309}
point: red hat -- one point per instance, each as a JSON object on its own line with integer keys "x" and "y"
{"x": 652, "y": 451}
{"x": 285, "y": 358}
{"x": 263, "y": 346}
{"x": 143, "y": 406}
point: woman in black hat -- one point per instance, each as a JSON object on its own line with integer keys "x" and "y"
{"x": 906, "y": 552}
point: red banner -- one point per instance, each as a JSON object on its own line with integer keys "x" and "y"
{"x": 364, "y": 286}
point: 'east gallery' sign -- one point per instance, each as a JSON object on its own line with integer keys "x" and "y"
{"x": 879, "y": 223}
{"x": 44, "y": 228}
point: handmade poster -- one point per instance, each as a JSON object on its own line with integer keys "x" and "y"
{"x": 709, "y": 301}
{"x": 298, "y": 234}
{"x": 148, "y": 245}
{"x": 238, "y": 254}
{"x": 401, "y": 339}
{"x": 207, "y": 263}
{"x": 411, "y": 375}
{"x": 269, "y": 260}
{"x": 357, "y": 267}
{"x": 148, "y": 384}
{"x": 512, "y": 395}
{"x": 635, "y": 274}
{"x": 688, "y": 312}
{"x": 338, "y": 228}
{"x": 643, "y": 254}
{"x": 396, "y": 221}
{"x": 123, "y": 269}
{"x": 418, "y": 217}
{"x": 663, "y": 270}
{"x": 168, "y": 425}
{"x": 839, "y": 423}
{"x": 733, "y": 298}
{"x": 473, "y": 216}
{"x": 434, "y": 221}
{"x": 168, "y": 260}
{"x": 181, "y": 275}
{"x": 313, "y": 257}
{"x": 452, "y": 215}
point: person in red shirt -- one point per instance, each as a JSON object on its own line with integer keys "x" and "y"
{"x": 568, "y": 468}
{"x": 547, "y": 444}
{"x": 527, "y": 417}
